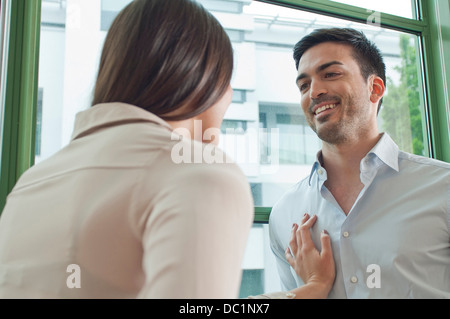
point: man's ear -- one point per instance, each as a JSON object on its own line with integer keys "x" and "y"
{"x": 377, "y": 88}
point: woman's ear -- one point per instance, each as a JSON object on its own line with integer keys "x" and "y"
{"x": 377, "y": 89}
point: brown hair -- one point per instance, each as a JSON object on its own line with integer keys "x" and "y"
{"x": 169, "y": 57}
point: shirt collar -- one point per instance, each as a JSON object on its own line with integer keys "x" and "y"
{"x": 110, "y": 114}
{"x": 317, "y": 164}
{"x": 386, "y": 150}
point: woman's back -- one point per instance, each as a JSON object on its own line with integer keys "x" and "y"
{"x": 113, "y": 216}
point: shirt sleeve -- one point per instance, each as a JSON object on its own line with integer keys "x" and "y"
{"x": 196, "y": 234}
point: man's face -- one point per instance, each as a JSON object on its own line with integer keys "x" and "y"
{"x": 334, "y": 96}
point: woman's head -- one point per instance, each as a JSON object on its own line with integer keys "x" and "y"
{"x": 169, "y": 57}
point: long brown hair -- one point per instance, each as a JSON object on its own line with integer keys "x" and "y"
{"x": 169, "y": 57}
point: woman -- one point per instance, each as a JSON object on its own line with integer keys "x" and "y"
{"x": 116, "y": 214}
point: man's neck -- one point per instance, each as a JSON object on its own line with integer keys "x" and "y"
{"x": 342, "y": 163}
{"x": 345, "y": 158}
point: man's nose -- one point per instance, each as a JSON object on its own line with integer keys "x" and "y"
{"x": 317, "y": 89}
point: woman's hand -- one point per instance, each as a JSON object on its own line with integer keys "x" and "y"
{"x": 316, "y": 268}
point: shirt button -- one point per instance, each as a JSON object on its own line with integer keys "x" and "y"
{"x": 345, "y": 234}
{"x": 354, "y": 279}
{"x": 320, "y": 171}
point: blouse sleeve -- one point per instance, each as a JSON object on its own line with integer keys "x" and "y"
{"x": 196, "y": 233}
{"x": 274, "y": 295}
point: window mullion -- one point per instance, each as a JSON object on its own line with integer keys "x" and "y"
{"x": 436, "y": 48}
{"x": 21, "y": 94}
{"x": 357, "y": 14}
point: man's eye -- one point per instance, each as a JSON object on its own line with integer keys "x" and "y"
{"x": 303, "y": 87}
{"x": 331, "y": 74}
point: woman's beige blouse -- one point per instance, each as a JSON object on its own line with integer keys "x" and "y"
{"x": 112, "y": 215}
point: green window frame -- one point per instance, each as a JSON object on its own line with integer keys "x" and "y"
{"x": 19, "y": 110}
{"x": 20, "y": 100}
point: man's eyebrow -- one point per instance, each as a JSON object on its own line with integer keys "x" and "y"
{"x": 318, "y": 69}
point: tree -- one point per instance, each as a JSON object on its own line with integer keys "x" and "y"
{"x": 401, "y": 113}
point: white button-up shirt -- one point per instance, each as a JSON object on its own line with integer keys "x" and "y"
{"x": 394, "y": 243}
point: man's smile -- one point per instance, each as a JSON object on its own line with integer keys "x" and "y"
{"x": 325, "y": 107}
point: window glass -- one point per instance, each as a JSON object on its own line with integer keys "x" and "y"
{"x": 4, "y": 44}
{"x": 260, "y": 273}
{"x": 287, "y": 146}
{"x": 264, "y": 129}
{"x": 401, "y": 8}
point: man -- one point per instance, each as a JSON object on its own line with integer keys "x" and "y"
{"x": 387, "y": 211}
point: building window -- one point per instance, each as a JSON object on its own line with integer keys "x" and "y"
{"x": 109, "y": 10}
{"x": 252, "y": 283}
{"x": 235, "y": 35}
{"x": 298, "y": 144}
{"x": 223, "y": 6}
{"x": 233, "y": 127}
{"x": 239, "y": 96}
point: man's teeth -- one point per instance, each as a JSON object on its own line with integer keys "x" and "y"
{"x": 325, "y": 107}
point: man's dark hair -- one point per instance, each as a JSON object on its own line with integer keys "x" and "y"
{"x": 365, "y": 52}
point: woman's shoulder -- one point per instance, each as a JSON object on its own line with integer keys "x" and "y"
{"x": 185, "y": 166}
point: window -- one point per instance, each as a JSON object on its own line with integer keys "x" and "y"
{"x": 415, "y": 109}
{"x": 233, "y": 127}
{"x": 4, "y": 29}
{"x": 109, "y": 11}
{"x": 402, "y": 8}
{"x": 298, "y": 144}
{"x": 37, "y": 148}
{"x": 264, "y": 129}
{"x": 239, "y": 96}
{"x": 235, "y": 35}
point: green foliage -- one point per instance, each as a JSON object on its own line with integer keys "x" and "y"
{"x": 401, "y": 113}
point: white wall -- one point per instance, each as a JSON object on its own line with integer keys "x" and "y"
{"x": 51, "y": 61}
{"x": 83, "y": 46}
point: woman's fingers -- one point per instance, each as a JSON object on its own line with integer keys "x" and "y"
{"x": 325, "y": 240}
{"x": 305, "y": 232}
{"x": 289, "y": 258}
{"x": 326, "y": 256}
{"x": 296, "y": 238}
{"x": 293, "y": 243}
{"x": 309, "y": 263}
{"x": 305, "y": 218}
{"x": 291, "y": 250}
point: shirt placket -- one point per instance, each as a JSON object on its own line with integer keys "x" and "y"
{"x": 354, "y": 273}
